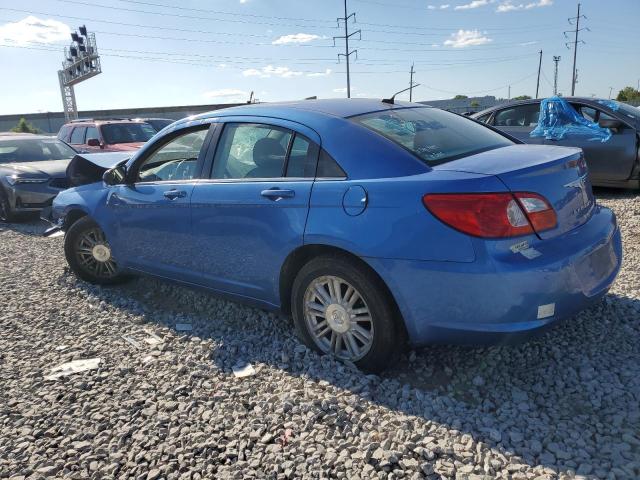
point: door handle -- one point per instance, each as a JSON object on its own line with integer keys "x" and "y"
{"x": 277, "y": 193}
{"x": 173, "y": 194}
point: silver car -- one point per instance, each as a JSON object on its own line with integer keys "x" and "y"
{"x": 32, "y": 172}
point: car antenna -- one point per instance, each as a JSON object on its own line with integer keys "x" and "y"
{"x": 391, "y": 101}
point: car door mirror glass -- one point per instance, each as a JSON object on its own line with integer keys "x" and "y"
{"x": 115, "y": 176}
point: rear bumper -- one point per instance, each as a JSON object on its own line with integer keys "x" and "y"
{"x": 506, "y": 297}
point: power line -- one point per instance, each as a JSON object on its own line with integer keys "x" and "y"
{"x": 485, "y": 91}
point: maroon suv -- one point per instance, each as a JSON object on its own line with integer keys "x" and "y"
{"x": 106, "y": 135}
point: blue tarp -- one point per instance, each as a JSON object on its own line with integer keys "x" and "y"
{"x": 559, "y": 120}
{"x": 612, "y": 104}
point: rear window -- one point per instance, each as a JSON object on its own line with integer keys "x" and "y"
{"x": 127, "y": 132}
{"x": 433, "y": 135}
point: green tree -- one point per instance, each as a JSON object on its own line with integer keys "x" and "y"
{"x": 460, "y": 97}
{"x": 628, "y": 94}
{"x": 475, "y": 104}
{"x": 24, "y": 127}
{"x": 522, "y": 97}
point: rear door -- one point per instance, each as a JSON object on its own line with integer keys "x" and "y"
{"x": 518, "y": 121}
{"x": 252, "y": 211}
{"x": 612, "y": 160}
{"x": 151, "y": 215}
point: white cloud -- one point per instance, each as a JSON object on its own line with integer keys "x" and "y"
{"x": 473, "y": 4}
{"x": 226, "y": 94}
{"x": 509, "y": 6}
{"x": 326, "y": 73}
{"x": 271, "y": 71}
{"x": 466, "y": 38}
{"x": 431, "y": 7}
{"x": 295, "y": 38}
{"x": 34, "y": 29}
{"x": 443, "y": 6}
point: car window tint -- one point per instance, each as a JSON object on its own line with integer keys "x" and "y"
{"x": 518, "y": 116}
{"x": 127, "y": 132}
{"x": 589, "y": 113}
{"x": 328, "y": 167}
{"x": 92, "y": 132}
{"x": 251, "y": 151}
{"x": 176, "y": 160}
{"x": 432, "y": 135}
{"x": 63, "y": 134}
{"x": 302, "y": 158}
{"x": 77, "y": 137}
{"x": 34, "y": 150}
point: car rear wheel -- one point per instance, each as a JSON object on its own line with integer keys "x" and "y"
{"x": 89, "y": 254}
{"x": 341, "y": 309}
{"x": 6, "y": 215}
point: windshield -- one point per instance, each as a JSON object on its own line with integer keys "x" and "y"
{"x": 433, "y": 135}
{"x": 34, "y": 150}
{"x": 127, "y": 132}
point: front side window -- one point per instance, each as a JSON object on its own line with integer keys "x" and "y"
{"x": 484, "y": 118}
{"x": 433, "y": 135}
{"x": 127, "y": 132}
{"x": 519, "y": 116}
{"x": 92, "y": 132}
{"x": 251, "y": 151}
{"x": 77, "y": 137}
{"x": 176, "y": 160}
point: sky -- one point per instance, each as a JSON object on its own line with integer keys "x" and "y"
{"x": 190, "y": 52}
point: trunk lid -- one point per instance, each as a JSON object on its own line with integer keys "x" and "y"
{"x": 557, "y": 173}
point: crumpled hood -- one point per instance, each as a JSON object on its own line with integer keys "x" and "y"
{"x": 48, "y": 168}
{"x": 87, "y": 168}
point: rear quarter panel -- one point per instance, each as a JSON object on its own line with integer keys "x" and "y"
{"x": 395, "y": 224}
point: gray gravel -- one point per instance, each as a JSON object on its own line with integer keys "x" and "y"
{"x": 566, "y": 405}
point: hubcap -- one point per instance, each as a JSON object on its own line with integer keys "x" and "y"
{"x": 94, "y": 254}
{"x": 338, "y": 318}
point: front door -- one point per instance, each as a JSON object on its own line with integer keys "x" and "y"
{"x": 152, "y": 214}
{"x": 252, "y": 211}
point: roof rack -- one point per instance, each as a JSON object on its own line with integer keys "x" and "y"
{"x": 103, "y": 119}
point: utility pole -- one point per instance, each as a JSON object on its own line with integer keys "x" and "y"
{"x": 346, "y": 37}
{"x": 411, "y": 84}
{"x": 575, "y": 43}
{"x": 556, "y": 59}
{"x": 610, "y": 90}
{"x": 509, "y": 96}
{"x": 539, "y": 68}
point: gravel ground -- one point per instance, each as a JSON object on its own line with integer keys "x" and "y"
{"x": 167, "y": 404}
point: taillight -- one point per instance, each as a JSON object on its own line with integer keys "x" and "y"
{"x": 492, "y": 215}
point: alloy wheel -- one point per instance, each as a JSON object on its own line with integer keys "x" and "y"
{"x": 94, "y": 254}
{"x": 338, "y": 318}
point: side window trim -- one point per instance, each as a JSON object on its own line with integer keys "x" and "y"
{"x": 132, "y": 174}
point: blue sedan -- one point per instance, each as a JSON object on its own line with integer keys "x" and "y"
{"x": 373, "y": 224}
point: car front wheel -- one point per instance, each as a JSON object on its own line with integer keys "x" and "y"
{"x": 6, "y": 215}
{"x": 89, "y": 254}
{"x": 341, "y": 309}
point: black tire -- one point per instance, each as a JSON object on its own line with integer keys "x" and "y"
{"x": 386, "y": 331}
{"x": 6, "y": 215}
{"x": 85, "y": 267}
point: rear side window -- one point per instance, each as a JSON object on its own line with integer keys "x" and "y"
{"x": 302, "y": 158}
{"x": 77, "y": 137}
{"x": 92, "y": 132}
{"x": 519, "y": 116}
{"x": 63, "y": 134}
{"x": 328, "y": 167}
{"x": 433, "y": 135}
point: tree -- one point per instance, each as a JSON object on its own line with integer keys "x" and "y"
{"x": 475, "y": 104}
{"x": 628, "y": 94}
{"x": 460, "y": 97}
{"x": 522, "y": 97}
{"x": 24, "y": 127}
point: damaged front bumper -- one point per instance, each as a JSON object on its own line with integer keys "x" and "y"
{"x": 55, "y": 230}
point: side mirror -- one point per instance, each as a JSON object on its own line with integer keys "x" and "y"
{"x": 93, "y": 142}
{"x": 114, "y": 176}
{"x": 611, "y": 123}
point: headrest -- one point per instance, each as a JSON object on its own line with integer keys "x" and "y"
{"x": 267, "y": 151}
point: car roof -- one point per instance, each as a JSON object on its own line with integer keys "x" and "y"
{"x": 21, "y": 135}
{"x": 336, "y": 107}
{"x": 97, "y": 121}
{"x": 513, "y": 103}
